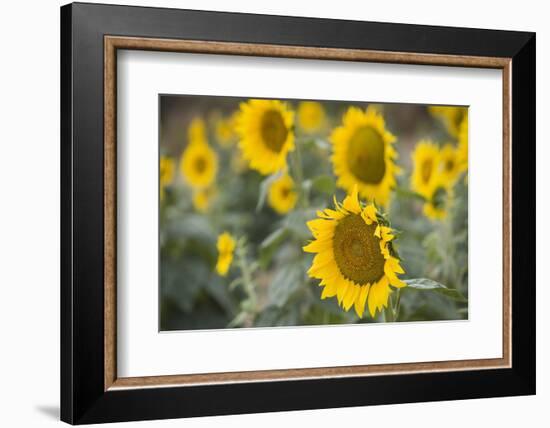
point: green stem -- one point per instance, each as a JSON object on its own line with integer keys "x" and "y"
{"x": 248, "y": 283}
{"x": 397, "y": 305}
{"x": 296, "y": 157}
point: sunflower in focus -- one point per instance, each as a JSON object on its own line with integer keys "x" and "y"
{"x": 282, "y": 195}
{"x": 226, "y": 247}
{"x": 451, "y": 117}
{"x": 363, "y": 155}
{"x": 354, "y": 260}
{"x": 311, "y": 116}
{"x": 449, "y": 165}
{"x": 203, "y": 198}
{"x": 166, "y": 173}
{"x": 265, "y": 130}
{"x": 199, "y": 163}
{"x": 425, "y": 159}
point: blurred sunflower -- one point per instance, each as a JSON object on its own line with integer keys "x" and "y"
{"x": 199, "y": 163}
{"x": 202, "y": 198}
{"x": 311, "y": 116}
{"x": 226, "y": 246}
{"x": 355, "y": 260}
{"x": 449, "y": 165}
{"x": 436, "y": 205}
{"x": 425, "y": 159}
{"x": 363, "y": 155}
{"x": 167, "y": 167}
{"x": 265, "y": 134}
{"x": 197, "y": 130}
{"x": 462, "y": 151}
{"x": 450, "y": 116}
{"x": 282, "y": 196}
{"x": 225, "y": 130}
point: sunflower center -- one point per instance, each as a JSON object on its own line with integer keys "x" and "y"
{"x": 285, "y": 192}
{"x": 200, "y": 164}
{"x": 366, "y": 155}
{"x": 273, "y": 130}
{"x": 357, "y": 250}
{"x": 449, "y": 165}
{"x": 426, "y": 170}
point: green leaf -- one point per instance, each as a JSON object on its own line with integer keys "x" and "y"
{"x": 324, "y": 184}
{"x": 402, "y": 191}
{"x": 270, "y": 244}
{"x": 286, "y": 281}
{"x": 425, "y": 284}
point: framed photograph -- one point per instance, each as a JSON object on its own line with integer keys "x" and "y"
{"x": 265, "y": 213}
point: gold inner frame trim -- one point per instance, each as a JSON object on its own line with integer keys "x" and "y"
{"x": 113, "y": 43}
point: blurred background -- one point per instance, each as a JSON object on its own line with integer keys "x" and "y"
{"x": 193, "y": 295}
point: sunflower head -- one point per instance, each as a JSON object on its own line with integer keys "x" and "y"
{"x": 363, "y": 155}
{"x": 436, "y": 205}
{"x": 166, "y": 170}
{"x": 449, "y": 164}
{"x": 197, "y": 130}
{"x": 354, "y": 260}
{"x": 265, "y": 131}
{"x": 425, "y": 159}
{"x": 462, "y": 151}
{"x": 451, "y": 117}
{"x": 199, "y": 163}
{"x": 226, "y": 246}
{"x": 202, "y": 198}
{"x": 282, "y": 195}
{"x": 166, "y": 173}
{"x": 225, "y": 130}
{"x": 311, "y": 116}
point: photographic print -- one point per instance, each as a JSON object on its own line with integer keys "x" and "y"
{"x": 285, "y": 212}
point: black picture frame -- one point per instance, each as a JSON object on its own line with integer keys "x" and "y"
{"x": 83, "y": 396}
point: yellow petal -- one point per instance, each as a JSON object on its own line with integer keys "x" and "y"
{"x": 341, "y": 291}
{"x": 350, "y": 296}
{"x": 361, "y": 300}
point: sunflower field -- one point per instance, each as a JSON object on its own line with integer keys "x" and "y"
{"x": 279, "y": 212}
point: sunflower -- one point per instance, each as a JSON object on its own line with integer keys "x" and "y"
{"x": 225, "y": 130}
{"x": 355, "y": 260}
{"x": 265, "y": 134}
{"x": 449, "y": 165}
{"x": 202, "y": 198}
{"x": 199, "y": 163}
{"x": 166, "y": 170}
{"x": 282, "y": 196}
{"x": 462, "y": 151}
{"x": 226, "y": 246}
{"x": 436, "y": 205}
{"x": 197, "y": 130}
{"x": 363, "y": 155}
{"x": 425, "y": 164}
{"x": 311, "y": 116}
{"x": 451, "y": 117}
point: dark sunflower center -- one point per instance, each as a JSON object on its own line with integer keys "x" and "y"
{"x": 449, "y": 165}
{"x": 366, "y": 155}
{"x": 426, "y": 170}
{"x": 285, "y": 192}
{"x": 200, "y": 164}
{"x": 357, "y": 250}
{"x": 273, "y": 130}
